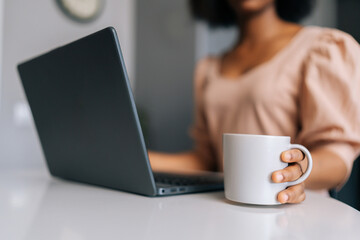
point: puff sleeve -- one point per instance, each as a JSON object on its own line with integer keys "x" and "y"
{"x": 330, "y": 96}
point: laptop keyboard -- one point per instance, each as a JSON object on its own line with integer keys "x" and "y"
{"x": 185, "y": 180}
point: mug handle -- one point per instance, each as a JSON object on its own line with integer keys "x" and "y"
{"x": 309, "y": 167}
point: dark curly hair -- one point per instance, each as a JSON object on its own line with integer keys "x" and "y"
{"x": 218, "y": 13}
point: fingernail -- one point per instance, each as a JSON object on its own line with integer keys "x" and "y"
{"x": 286, "y": 198}
{"x": 288, "y": 156}
{"x": 279, "y": 177}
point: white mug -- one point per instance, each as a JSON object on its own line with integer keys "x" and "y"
{"x": 250, "y": 160}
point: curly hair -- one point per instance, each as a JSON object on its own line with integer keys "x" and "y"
{"x": 218, "y": 13}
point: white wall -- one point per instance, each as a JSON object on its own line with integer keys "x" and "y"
{"x": 33, "y": 27}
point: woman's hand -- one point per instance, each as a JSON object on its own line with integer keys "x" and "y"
{"x": 297, "y": 165}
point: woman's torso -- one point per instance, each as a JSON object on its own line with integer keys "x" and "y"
{"x": 264, "y": 100}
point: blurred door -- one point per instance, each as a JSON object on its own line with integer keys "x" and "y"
{"x": 165, "y": 59}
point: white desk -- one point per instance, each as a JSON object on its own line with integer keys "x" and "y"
{"x": 36, "y": 206}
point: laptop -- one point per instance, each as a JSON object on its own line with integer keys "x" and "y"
{"x": 85, "y": 115}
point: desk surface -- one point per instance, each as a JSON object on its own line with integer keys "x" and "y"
{"x": 34, "y": 205}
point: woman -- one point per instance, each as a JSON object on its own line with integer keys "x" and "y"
{"x": 280, "y": 78}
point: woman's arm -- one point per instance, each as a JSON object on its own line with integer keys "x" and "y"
{"x": 177, "y": 162}
{"x": 329, "y": 170}
{"x": 328, "y": 111}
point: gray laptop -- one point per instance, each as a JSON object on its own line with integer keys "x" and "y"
{"x": 87, "y": 122}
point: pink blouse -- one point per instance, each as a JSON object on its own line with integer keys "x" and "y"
{"x": 309, "y": 91}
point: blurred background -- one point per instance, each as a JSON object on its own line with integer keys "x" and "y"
{"x": 160, "y": 42}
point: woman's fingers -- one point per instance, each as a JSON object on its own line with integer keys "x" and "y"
{"x": 292, "y": 155}
{"x": 295, "y": 169}
{"x": 288, "y": 174}
{"x": 293, "y": 194}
